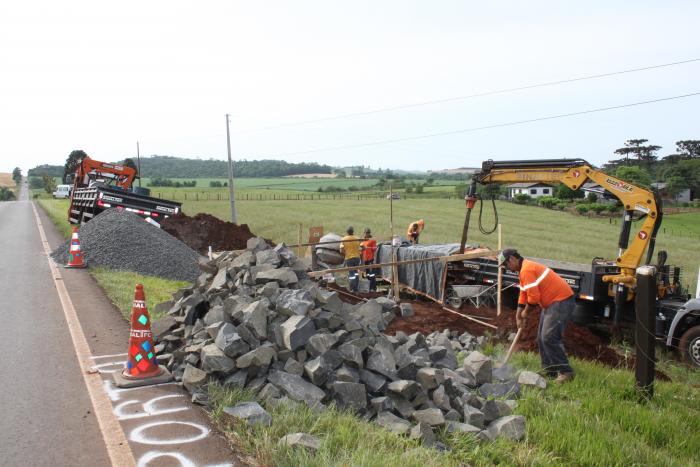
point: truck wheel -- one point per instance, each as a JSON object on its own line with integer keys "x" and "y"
{"x": 690, "y": 346}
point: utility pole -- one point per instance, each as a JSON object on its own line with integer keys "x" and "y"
{"x": 231, "y": 194}
{"x": 138, "y": 162}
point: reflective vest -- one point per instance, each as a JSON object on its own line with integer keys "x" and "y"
{"x": 541, "y": 286}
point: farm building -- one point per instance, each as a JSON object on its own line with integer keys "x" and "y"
{"x": 534, "y": 190}
{"x": 682, "y": 196}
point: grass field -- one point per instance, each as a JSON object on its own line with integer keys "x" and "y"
{"x": 595, "y": 420}
{"x": 535, "y": 231}
{"x": 6, "y": 180}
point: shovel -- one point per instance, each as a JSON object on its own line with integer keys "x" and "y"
{"x": 512, "y": 346}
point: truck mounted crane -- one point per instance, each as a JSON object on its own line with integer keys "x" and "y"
{"x": 607, "y": 284}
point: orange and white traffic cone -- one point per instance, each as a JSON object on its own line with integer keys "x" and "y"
{"x": 141, "y": 368}
{"x": 75, "y": 255}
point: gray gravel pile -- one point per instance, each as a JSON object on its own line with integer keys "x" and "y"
{"x": 254, "y": 319}
{"x": 122, "y": 240}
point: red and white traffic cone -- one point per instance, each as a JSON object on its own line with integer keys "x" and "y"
{"x": 75, "y": 255}
{"x": 141, "y": 368}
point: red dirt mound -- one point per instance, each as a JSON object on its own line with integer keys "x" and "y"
{"x": 203, "y": 230}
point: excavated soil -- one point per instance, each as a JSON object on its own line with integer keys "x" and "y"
{"x": 204, "y": 230}
{"x": 579, "y": 341}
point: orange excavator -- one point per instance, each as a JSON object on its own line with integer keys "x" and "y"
{"x": 605, "y": 287}
{"x": 102, "y": 185}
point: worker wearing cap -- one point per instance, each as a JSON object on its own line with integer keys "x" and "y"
{"x": 369, "y": 247}
{"x": 414, "y": 230}
{"x": 350, "y": 247}
{"x": 540, "y": 287}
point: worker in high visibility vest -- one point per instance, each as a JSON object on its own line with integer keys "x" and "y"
{"x": 368, "y": 249}
{"x": 414, "y": 230}
{"x": 350, "y": 248}
{"x": 542, "y": 288}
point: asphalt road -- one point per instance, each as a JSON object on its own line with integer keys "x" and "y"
{"x": 45, "y": 412}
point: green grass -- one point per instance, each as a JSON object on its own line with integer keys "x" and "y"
{"x": 119, "y": 287}
{"x": 57, "y": 210}
{"x": 535, "y": 231}
{"x": 597, "y": 419}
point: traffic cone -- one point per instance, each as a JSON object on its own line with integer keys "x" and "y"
{"x": 75, "y": 255}
{"x": 141, "y": 368}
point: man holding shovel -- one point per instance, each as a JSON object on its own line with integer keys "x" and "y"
{"x": 540, "y": 287}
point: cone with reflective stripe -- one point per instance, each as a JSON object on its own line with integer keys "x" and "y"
{"x": 141, "y": 367}
{"x": 75, "y": 255}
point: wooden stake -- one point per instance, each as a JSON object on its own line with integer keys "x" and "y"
{"x": 299, "y": 250}
{"x": 500, "y": 273}
{"x": 470, "y": 318}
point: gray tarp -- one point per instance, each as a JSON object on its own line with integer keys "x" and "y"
{"x": 423, "y": 277}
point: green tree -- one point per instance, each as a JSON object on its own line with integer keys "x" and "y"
{"x": 564, "y": 192}
{"x": 6, "y": 194}
{"x": 635, "y": 175}
{"x": 129, "y": 162}
{"x": 645, "y": 154}
{"x": 36, "y": 183}
{"x": 690, "y": 148}
{"x": 419, "y": 189}
{"x": 49, "y": 184}
{"x": 675, "y": 185}
{"x": 17, "y": 175}
{"x": 72, "y": 162}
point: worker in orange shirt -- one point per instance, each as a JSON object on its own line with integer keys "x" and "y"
{"x": 540, "y": 287}
{"x": 369, "y": 247}
{"x": 350, "y": 247}
{"x": 414, "y": 230}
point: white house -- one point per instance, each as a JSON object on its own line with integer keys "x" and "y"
{"x": 534, "y": 190}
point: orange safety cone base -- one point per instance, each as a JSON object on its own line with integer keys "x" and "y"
{"x": 80, "y": 266}
{"x": 126, "y": 381}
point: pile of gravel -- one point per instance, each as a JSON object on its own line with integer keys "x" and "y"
{"x": 122, "y": 240}
{"x": 255, "y": 320}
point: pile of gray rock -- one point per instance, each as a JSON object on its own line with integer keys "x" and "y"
{"x": 254, "y": 319}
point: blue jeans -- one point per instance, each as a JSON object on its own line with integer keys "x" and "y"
{"x": 353, "y": 274}
{"x": 553, "y": 321}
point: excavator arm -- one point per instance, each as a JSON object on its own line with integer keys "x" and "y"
{"x": 574, "y": 173}
{"x": 89, "y": 169}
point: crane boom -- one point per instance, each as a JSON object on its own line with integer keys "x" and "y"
{"x": 574, "y": 173}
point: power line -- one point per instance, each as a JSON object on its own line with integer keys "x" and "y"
{"x": 479, "y": 128}
{"x": 468, "y": 96}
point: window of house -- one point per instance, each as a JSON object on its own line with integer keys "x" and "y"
{"x": 533, "y": 191}
{"x": 545, "y": 191}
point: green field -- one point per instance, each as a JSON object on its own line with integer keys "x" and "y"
{"x": 533, "y": 230}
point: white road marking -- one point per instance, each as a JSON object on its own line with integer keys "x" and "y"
{"x": 115, "y": 441}
{"x": 138, "y": 436}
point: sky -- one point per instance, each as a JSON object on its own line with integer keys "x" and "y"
{"x": 99, "y": 76}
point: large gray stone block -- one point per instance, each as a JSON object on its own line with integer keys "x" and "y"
{"x": 296, "y": 331}
{"x": 297, "y": 388}
{"x": 250, "y": 412}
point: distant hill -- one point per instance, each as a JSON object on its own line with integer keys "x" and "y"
{"x": 176, "y": 167}
{"x": 46, "y": 169}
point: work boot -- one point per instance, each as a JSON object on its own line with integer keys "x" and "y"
{"x": 563, "y": 378}
{"x": 548, "y": 374}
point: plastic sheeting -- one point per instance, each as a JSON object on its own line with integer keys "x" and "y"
{"x": 425, "y": 277}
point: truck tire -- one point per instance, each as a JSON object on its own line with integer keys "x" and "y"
{"x": 689, "y": 346}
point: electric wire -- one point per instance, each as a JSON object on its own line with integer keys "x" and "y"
{"x": 468, "y": 96}
{"x": 480, "y": 128}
